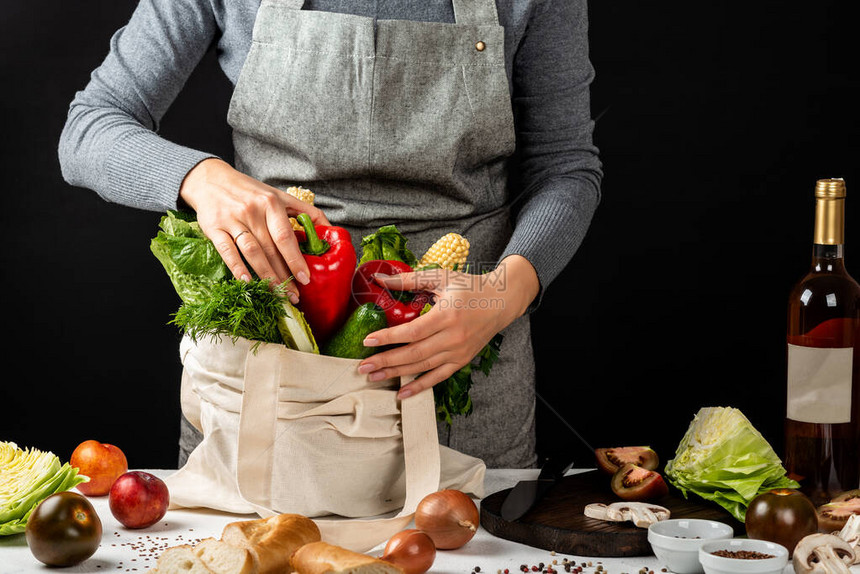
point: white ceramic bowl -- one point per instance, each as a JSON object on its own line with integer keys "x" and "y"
{"x": 722, "y": 565}
{"x": 676, "y": 542}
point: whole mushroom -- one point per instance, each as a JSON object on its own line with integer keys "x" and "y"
{"x": 823, "y": 554}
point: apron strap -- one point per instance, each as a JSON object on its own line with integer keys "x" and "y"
{"x": 476, "y": 12}
{"x": 465, "y": 11}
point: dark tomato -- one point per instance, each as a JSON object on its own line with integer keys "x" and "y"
{"x": 64, "y": 530}
{"x": 609, "y": 460}
{"x": 783, "y": 516}
{"x": 635, "y": 483}
{"x": 833, "y": 515}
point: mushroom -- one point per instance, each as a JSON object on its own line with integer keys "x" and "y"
{"x": 850, "y": 533}
{"x": 640, "y": 513}
{"x": 823, "y": 554}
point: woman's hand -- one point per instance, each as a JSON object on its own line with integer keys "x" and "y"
{"x": 242, "y": 215}
{"x": 469, "y": 310}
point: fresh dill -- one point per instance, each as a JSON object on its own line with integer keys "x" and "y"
{"x": 235, "y": 309}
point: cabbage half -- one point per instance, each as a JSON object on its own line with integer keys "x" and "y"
{"x": 28, "y": 477}
{"x": 723, "y": 458}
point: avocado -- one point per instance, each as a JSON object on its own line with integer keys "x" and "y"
{"x": 348, "y": 342}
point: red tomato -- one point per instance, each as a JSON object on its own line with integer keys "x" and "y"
{"x": 635, "y": 483}
{"x": 609, "y": 460}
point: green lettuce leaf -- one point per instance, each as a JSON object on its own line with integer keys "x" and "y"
{"x": 29, "y": 477}
{"x": 723, "y": 458}
{"x": 189, "y": 257}
{"x": 387, "y": 243}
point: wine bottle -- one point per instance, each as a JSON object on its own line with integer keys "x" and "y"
{"x": 822, "y": 427}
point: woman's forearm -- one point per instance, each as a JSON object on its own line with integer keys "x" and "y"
{"x": 518, "y": 285}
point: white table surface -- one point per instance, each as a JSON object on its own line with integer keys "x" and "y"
{"x": 125, "y": 550}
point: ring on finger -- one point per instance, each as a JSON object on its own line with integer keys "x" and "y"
{"x": 235, "y": 239}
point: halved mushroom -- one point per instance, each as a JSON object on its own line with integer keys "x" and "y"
{"x": 640, "y": 513}
{"x": 823, "y": 554}
{"x": 850, "y": 533}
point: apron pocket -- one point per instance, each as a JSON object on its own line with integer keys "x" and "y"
{"x": 493, "y": 132}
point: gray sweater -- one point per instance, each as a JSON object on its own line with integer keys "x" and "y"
{"x": 110, "y": 142}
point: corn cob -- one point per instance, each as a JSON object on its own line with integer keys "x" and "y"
{"x": 449, "y": 252}
{"x": 301, "y": 194}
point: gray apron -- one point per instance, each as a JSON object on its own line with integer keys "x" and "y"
{"x": 395, "y": 121}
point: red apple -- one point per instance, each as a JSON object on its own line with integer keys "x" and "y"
{"x": 103, "y": 463}
{"x": 138, "y": 499}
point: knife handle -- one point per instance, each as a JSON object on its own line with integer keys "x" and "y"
{"x": 554, "y": 467}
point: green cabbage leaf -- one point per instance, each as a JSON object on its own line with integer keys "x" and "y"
{"x": 28, "y": 477}
{"x": 724, "y": 459}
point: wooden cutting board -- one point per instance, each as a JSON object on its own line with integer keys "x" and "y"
{"x": 557, "y": 521}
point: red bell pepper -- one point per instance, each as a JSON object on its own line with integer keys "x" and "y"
{"x": 325, "y": 301}
{"x": 399, "y": 306}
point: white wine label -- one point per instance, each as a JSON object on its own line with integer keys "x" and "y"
{"x": 819, "y": 384}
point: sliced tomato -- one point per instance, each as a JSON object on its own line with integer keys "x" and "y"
{"x": 848, "y": 495}
{"x": 609, "y": 460}
{"x": 833, "y": 515}
{"x": 635, "y": 483}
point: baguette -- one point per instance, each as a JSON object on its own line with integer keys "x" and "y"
{"x": 324, "y": 558}
{"x": 271, "y": 541}
{"x": 180, "y": 560}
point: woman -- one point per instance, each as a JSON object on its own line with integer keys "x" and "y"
{"x": 435, "y": 115}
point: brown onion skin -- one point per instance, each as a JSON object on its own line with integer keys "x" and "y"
{"x": 412, "y": 550}
{"x": 449, "y": 517}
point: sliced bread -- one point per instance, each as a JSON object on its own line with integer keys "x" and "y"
{"x": 180, "y": 560}
{"x": 223, "y": 558}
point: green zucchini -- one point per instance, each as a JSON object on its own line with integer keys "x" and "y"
{"x": 348, "y": 343}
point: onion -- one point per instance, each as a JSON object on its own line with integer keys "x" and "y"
{"x": 449, "y": 517}
{"x": 412, "y": 550}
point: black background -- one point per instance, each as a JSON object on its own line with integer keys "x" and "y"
{"x": 714, "y": 123}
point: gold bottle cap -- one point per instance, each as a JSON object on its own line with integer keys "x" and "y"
{"x": 830, "y": 188}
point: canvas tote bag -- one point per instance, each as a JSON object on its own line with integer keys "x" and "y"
{"x": 286, "y": 431}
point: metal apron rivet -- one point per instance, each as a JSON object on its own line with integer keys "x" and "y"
{"x": 480, "y": 46}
